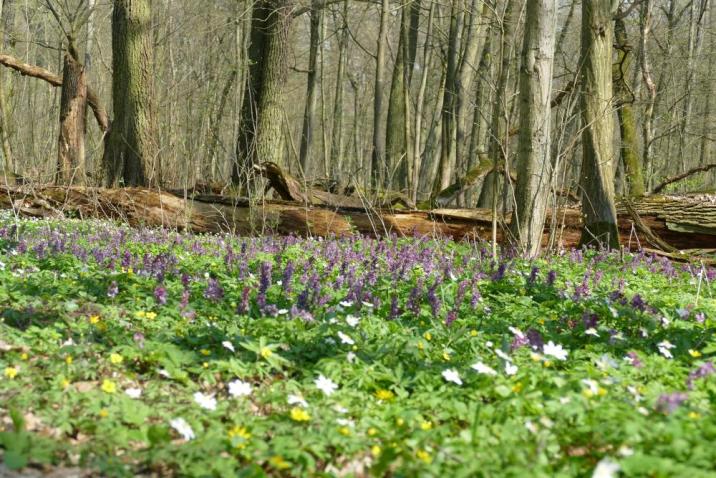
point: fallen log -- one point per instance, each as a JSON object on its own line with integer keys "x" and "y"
{"x": 701, "y": 169}
{"x": 684, "y": 222}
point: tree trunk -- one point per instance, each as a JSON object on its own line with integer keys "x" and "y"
{"x": 261, "y": 131}
{"x": 130, "y": 156}
{"x": 499, "y": 129}
{"x": 337, "y": 142}
{"x": 645, "y": 20}
{"x": 625, "y": 113}
{"x": 534, "y": 162}
{"x": 597, "y": 176}
{"x": 309, "y": 113}
{"x": 378, "y": 158}
{"x": 8, "y": 166}
{"x": 71, "y": 167}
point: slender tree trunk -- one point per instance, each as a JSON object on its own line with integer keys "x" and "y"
{"x": 597, "y": 176}
{"x": 534, "y": 163}
{"x": 378, "y": 157}
{"x": 706, "y": 150}
{"x": 215, "y": 126}
{"x": 8, "y": 164}
{"x": 448, "y": 151}
{"x": 417, "y": 145}
{"x": 625, "y": 113}
{"x": 499, "y": 129}
{"x": 261, "y": 132}
{"x": 71, "y": 144}
{"x": 309, "y": 113}
{"x": 337, "y": 146}
{"x": 130, "y": 156}
{"x": 648, "y": 121}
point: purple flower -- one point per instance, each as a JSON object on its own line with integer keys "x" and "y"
{"x": 213, "y": 290}
{"x": 451, "y": 317}
{"x": 702, "y": 372}
{"x": 638, "y": 303}
{"x": 589, "y": 320}
{"x": 633, "y": 358}
{"x": 394, "y": 308}
{"x": 113, "y": 290}
{"x": 139, "y": 338}
{"x": 669, "y": 402}
{"x": 551, "y": 277}
{"x": 535, "y": 339}
{"x": 700, "y": 317}
{"x": 160, "y": 294}
{"x": 243, "y": 306}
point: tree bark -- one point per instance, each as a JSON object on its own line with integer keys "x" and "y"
{"x": 131, "y": 157}
{"x": 309, "y": 113}
{"x": 378, "y": 157}
{"x": 597, "y": 176}
{"x": 337, "y": 141}
{"x": 71, "y": 167}
{"x": 625, "y": 113}
{"x": 534, "y": 163}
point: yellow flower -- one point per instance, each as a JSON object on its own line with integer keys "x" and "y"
{"x": 400, "y": 422}
{"x": 116, "y": 359}
{"x": 204, "y": 352}
{"x": 517, "y": 388}
{"x": 427, "y": 425}
{"x": 694, "y": 415}
{"x": 446, "y": 356}
{"x": 385, "y": 395}
{"x": 601, "y": 391}
{"x": 151, "y": 315}
{"x": 266, "y": 352}
{"x": 299, "y": 415}
{"x": 421, "y": 345}
{"x": 473, "y": 333}
{"x": 65, "y": 383}
{"x": 587, "y": 393}
{"x": 239, "y": 436}
{"x": 279, "y": 463}
{"x": 24, "y": 356}
{"x": 547, "y": 363}
{"x": 541, "y": 321}
{"x": 108, "y": 386}
{"x": 375, "y": 451}
{"x": 104, "y": 413}
{"x": 94, "y": 319}
{"x": 535, "y": 357}
{"x": 428, "y": 336}
{"x": 141, "y": 314}
{"x": 372, "y": 432}
{"x": 10, "y": 372}
{"x": 68, "y": 360}
{"x": 424, "y": 456}
{"x": 694, "y": 353}
{"x": 345, "y": 431}
{"x": 205, "y": 364}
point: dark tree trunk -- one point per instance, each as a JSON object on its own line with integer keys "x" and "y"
{"x": 71, "y": 143}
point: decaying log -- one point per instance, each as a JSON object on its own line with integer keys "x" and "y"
{"x": 683, "y": 222}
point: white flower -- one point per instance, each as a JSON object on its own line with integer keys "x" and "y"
{"x": 592, "y": 331}
{"x": 346, "y": 303}
{"x": 325, "y": 385}
{"x": 665, "y": 347}
{"x": 531, "y": 426}
{"x": 68, "y": 343}
{"x": 283, "y": 311}
{"x": 352, "y": 320}
{"x": 367, "y": 304}
{"x": 239, "y": 388}
{"x": 351, "y": 357}
{"x": 517, "y": 332}
{"x": 480, "y": 367}
{"x": 297, "y": 400}
{"x": 165, "y": 373}
{"x": 228, "y": 345}
{"x": 181, "y": 426}
{"x": 340, "y": 408}
{"x": 345, "y": 339}
{"x": 205, "y": 401}
{"x": 133, "y": 392}
{"x": 346, "y": 422}
{"x": 565, "y": 400}
{"x": 606, "y": 468}
{"x": 606, "y": 362}
{"x": 503, "y": 355}
{"x": 510, "y": 369}
{"x": 489, "y": 344}
{"x": 555, "y": 350}
{"x": 592, "y": 385}
{"x": 451, "y": 375}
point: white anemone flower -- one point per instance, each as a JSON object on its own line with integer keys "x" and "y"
{"x": 665, "y": 348}
{"x": 352, "y": 320}
{"x": 228, "y": 345}
{"x": 510, "y": 369}
{"x": 555, "y": 350}
{"x": 205, "y": 401}
{"x": 183, "y": 428}
{"x": 239, "y": 388}
{"x": 451, "y": 375}
{"x": 606, "y": 468}
{"x": 346, "y": 339}
{"x": 297, "y": 400}
{"x": 133, "y": 392}
{"x": 480, "y": 367}
{"x": 326, "y": 385}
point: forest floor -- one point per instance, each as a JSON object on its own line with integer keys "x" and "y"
{"x": 130, "y": 352}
